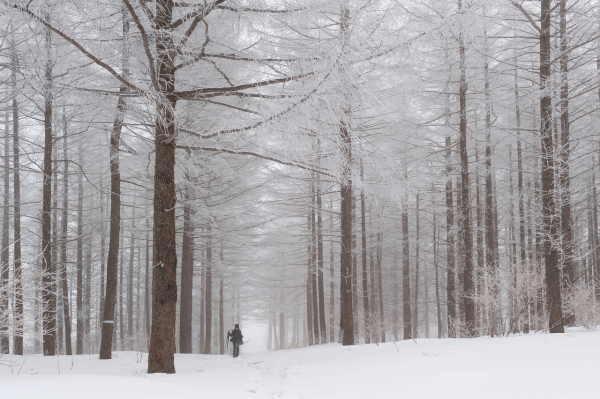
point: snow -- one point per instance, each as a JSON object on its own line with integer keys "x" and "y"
{"x": 523, "y": 366}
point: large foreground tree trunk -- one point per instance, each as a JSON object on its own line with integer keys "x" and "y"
{"x": 550, "y": 220}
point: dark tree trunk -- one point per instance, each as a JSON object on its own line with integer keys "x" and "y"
{"x": 4, "y": 257}
{"x": 450, "y": 242}
{"x": 79, "y": 304}
{"x": 130, "y": 281}
{"x": 164, "y": 280}
{"x": 202, "y": 306}
{"x": 147, "y": 282}
{"x": 480, "y": 233}
{"x": 309, "y": 289}
{"x": 346, "y": 311}
{"x": 406, "y": 310}
{"x": 331, "y": 277}
{"x": 437, "y": 279}
{"x": 365, "y": 290}
{"x": 321, "y": 283}
{"x": 63, "y": 255}
{"x": 465, "y": 196}
{"x": 565, "y": 210}
{"x": 313, "y": 272}
{"x": 417, "y": 277}
{"x": 381, "y": 325}
{"x": 112, "y": 265}
{"x": 187, "y": 276}
{"x": 48, "y": 298}
{"x": 208, "y": 292}
{"x": 18, "y": 312}
{"x": 550, "y": 222}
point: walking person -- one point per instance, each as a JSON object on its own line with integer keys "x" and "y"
{"x": 236, "y": 339}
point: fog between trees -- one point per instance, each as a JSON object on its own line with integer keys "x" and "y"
{"x": 347, "y": 171}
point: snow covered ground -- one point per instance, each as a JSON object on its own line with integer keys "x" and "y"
{"x": 527, "y": 366}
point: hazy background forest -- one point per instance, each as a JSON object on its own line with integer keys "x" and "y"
{"x": 339, "y": 171}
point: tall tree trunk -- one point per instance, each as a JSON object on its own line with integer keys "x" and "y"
{"x": 331, "y": 276}
{"x": 321, "y": 283}
{"x": 465, "y": 186}
{"x": 381, "y": 324}
{"x": 63, "y": 255}
{"x": 18, "y": 311}
{"x": 450, "y": 242}
{"x": 347, "y": 317}
{"x": 87, "y": 298}
{"x": 147, "y": 282}
{"x": 208, "y": 291}
{"x": 565, "y": 210}
{"x": 417, "y": 277}
{"x": 4, "y": 256}
{"x": 187, "y": 275}
{"x": 161, "y": 358}
{"x": 365, "y": 290}
{"x": 480, "y": 233}
{"x": 80, "y": 316}
{"x": 309, "y": 288}
{"x": 550, "y": 222}
{"x": 48, "y": 298}
{"x": 523, "y": 248}
{"x": 202, "y": 305}
{"x": 130, "y": 280}
{"x": 406, "y": 310}
{"x": 435, "y": 266}
{"x": 313, "y": 272}
{"x": 112, "y": 265}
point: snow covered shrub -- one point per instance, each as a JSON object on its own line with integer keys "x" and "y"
{"x": 581, "y": 303}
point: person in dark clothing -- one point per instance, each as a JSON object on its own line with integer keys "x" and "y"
{"x": 236, "y": 338}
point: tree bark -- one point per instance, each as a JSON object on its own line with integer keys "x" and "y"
{"x": 565, "y": 179}
{"x": 164, "y": 279}
{"x": 63, "y": 256}
{"x": 112, "y": 265}
{"x": 187, "y": 275}
{"x": 406, "y": 308}
{"x": 208, "y": 291}
{"x": 450, "y": 242}
{"x": 18, "y": 311}
{"x": 417, "y": 277}
{"x": 5, "y": 250}
{"x": 79, "y": 303}
{"x": 365, "y": 290}
{"x": 48, "y": 298}
{"x": 321, "y": 283}
{"x": 550, "y": 222}
{"x": 465, "y": 195}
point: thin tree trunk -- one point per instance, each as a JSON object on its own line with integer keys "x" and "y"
{"x": 406, "y": 314}
{"x": 565, "y": 211}
{"x": 48, "y": 298}
{"x": 80, "y": 316}
{"x": 347, "y": 317}
{"x": 321, "y": 283}
{"x": 364, "y": 259}
{"x": 313, "y": 272}
{"x": 112, "y": 265}
{"x": 63, "y": 256}
{"x": 187, "y": 275}
{"x": 417, "y": 277}
{"x": 18, "y": 311}
{"x": 4, "y": 257}
{"x": 130, "y": 280}
{"x": 147, "y": 282}
{"x": 331, "y": 277}
{"x": 465, "y": 195}
{"x": 450, "y": 242}
{"x": 208, "y": 291}
{"x": 381, "y": 324}
{"x": 309, "y": 289}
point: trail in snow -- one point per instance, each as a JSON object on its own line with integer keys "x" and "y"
{"x": 526, "y": 366}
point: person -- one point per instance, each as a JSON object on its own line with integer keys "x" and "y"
{"x": 236, "y": 338}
